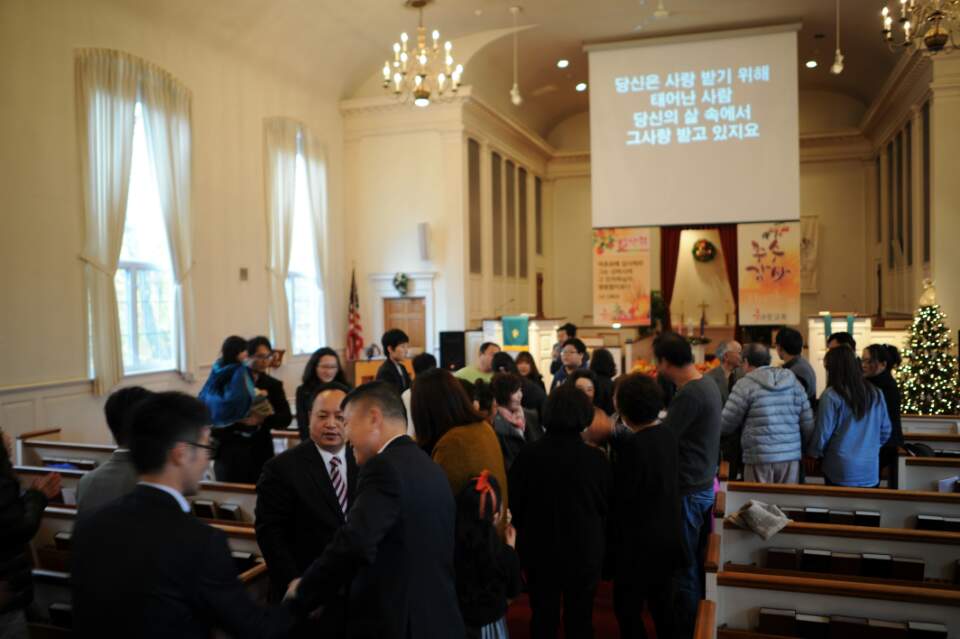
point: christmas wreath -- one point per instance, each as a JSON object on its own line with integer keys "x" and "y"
{"x": 402, "y": 283}
{"x": 704, "y": 251}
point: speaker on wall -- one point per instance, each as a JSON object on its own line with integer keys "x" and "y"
{"x": 453, "y": 350}
{"x": 423, "y": 237}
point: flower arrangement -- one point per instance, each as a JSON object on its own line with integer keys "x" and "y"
{"x": 401, "y": 283}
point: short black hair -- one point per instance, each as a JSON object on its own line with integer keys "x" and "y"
{"x": 673, "y": 349}
{"x": 504, "y": 385}
{"x": 393, "y": 338}
{"x": 486, "y": 345}
{"x": 569, "y": 329}
{"x": 231, "y": 349}
{"x": 382, "y": 394}
{"x": 158, "y": 422}
{"x": 639, "y": 398}
{"x": 844, "y": 339}
{"x": 118, "y": 409}
{"x": 790, "y": 340}
{"x": 482, "y": 395}
{"x": 568, "y": 410}
{"x": 423, "y": 362}
{"x": 887, "y": 354}
{"x": 256, "y": 343}
{"x": 503, "y": 363}
{"x": 324, "y": 387}
{"x": 756, "y": 354}
{"x": 577, "y": 344}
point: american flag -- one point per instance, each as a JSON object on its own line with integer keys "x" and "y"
{"x": 354, "y": 328}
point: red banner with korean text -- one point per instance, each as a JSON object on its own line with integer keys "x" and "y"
{"x": 769, "y": 263}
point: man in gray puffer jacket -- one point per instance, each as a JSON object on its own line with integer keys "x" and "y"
{"x": 771, "y": 407}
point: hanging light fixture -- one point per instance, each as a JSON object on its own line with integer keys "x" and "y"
{"x": 931, "y": 25}
{"x": 515, "y": 96}
{"x": 837, "y": 67}
{"x": 420, "y": 71}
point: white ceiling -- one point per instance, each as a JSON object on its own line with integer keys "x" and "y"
{"x": 337, "y": 45}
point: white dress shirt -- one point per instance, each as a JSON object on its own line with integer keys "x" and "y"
{"x": 173, "y": 492}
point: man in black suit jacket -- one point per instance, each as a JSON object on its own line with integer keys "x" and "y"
{"x": 392, "y": 371}
{"x": 301, "y": 496}
{"x": 144, "y": 566}
{"x": 395, "y": 553}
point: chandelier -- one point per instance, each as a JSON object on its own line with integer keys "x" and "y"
{"x": 421, "y": 71}
{"x": 930, "y": 24}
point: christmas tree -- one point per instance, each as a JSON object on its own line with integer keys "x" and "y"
{"x": 928, "y": 379}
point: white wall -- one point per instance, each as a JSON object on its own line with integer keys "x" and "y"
{"x": 701, "y": 283}
{"x": 42, "y": 329}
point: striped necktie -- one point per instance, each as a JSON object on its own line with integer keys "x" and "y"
{"x": 339, "y": 486}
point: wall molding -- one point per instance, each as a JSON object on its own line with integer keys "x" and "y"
{"x": 907, "y": 86}
{"x": 835, "y": 146}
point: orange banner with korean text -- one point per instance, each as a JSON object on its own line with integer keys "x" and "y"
{"x": 768, "y": 256}
{"x": 621, "y": 276}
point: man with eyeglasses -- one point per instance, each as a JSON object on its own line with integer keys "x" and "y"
{"x": 143, "y": 565}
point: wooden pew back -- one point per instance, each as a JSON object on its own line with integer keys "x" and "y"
{"x": 931, "y": 424}
{"x": 898, "y": 508}
{"x": 924, "y": 473}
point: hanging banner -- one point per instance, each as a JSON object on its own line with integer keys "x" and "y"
{"x": 769, "y": 262}
{"x": 515, "y": 333}
{"x": 621, "y": 276}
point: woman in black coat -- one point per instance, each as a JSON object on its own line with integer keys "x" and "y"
{"x": 878, "y": 362}
{"x": 559, "y": 510}
{"x": 644, "y": 544}
{"x": 20, "y": 517}
{"x": 322, "y": 369}
{"x": 605, "y": 368}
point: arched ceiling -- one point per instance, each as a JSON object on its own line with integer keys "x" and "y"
{"x": 339, "y": 46}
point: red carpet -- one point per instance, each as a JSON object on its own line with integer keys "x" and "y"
{"x": 604, "y": 621}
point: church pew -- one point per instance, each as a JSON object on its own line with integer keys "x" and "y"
{"x": 243, "y": 496}
{"x": 57, "y": 519}
{"x": 924, "y": 473}
{"x": 741, "y": 595}
{"x": 43, "y": 452}
{"x": 706, "y": 624}
{"x": 948, "y": 424}
{"x": 897, "y": 508}
{"x": 285, "y": 439}
{"x": 936, "y": 441}
{"x": 939, "y": 550}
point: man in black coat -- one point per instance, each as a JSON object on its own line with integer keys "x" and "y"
{"x": 143, "y": 565}
{"x": 244, "y": 448}
{"x": 392, "y": 371}
{"x": 395, "y": 553}
{"x": 302, "y": 498}
{"x": 559, "y": 490}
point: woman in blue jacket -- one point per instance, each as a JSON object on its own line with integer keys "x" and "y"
{"x": 852, "y": 424}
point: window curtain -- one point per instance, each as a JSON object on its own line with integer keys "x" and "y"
{"x": 316, "y": 160}
{"x": 669, "y": 259}
{"x": 106, "y": 95}
{"x": 728, "y": 242}
{"x": 281, "y": 137}
{"x": 166, "y": 107}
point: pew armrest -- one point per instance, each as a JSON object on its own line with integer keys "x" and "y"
{"x": 712, "y": 561}
{"x": 706, "y": 626}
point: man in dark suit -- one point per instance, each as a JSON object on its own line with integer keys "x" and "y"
{"x": 395, "y": 343}
{"x": 303, "y": 497}
{"x": 395, "y": 553}
{"x": 143, "y": 565}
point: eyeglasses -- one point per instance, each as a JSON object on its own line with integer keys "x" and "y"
{"x": 264, "y": 357}
{"x": 210, "y": 448}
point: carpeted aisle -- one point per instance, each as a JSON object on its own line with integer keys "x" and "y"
{"x": 604, "y": 621}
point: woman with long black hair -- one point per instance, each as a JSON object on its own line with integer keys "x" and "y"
{"x": 852, "y": 424}
{"x": 878, "y": 362}
{"x": 322, "y": 368}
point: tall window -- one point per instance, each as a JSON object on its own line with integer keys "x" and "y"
{"x": 144, "y": 277}
{"x": 890, "y": 205}
{"x": 496, "y": 166}
{"x": 926, "y": 182}
{"x": 538, "y": 214}
{"x": 879, "y": 202}
{"x": 304, "y": 292}
{"x": 522, "y": 195}
{"x": 473, "y": 186}
{"x": 908, "y": 178}
{"x": 511, "y": 219}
